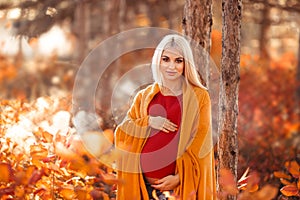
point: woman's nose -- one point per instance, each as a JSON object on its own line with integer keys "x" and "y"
{"x": 172, "y": 65}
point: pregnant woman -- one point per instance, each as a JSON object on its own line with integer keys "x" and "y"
{"x": 165, "y": 141}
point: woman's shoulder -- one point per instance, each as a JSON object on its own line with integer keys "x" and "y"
{"x": 147, "y": 89}
{"x": 201, "y": 93}
{"x": 152, "y": 88}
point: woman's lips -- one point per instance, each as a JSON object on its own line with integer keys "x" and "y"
{"x": 171, "y": 73}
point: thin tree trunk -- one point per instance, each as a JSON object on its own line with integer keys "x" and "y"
{"x": 229, "y": 85}
{"x": 114, "y": 25}
{"x": 298, "y": 83}
{"x": 82, "y": 23}
{"x": 265, "y": 26}
{"x": 19, "y": 58}
{"x": 197, "y": 22}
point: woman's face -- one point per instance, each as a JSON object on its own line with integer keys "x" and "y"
{"x": 171, "y": 64}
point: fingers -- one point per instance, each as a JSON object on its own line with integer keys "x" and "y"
{"x": 158, "y": 187}
{"x": 165, "y": 130}
{"x": 162, "y": 124}
{"x": 168, "y": 126}
{"x": 166, "y": 183}
{"x": 162, "y": 187}
{"x": 160, "y": 181}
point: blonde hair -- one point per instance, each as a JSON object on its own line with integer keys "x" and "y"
{"x": 180, "y": 43}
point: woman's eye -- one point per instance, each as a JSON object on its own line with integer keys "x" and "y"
{"x": 166, "y": 59}
{"x": 178, "y": 60}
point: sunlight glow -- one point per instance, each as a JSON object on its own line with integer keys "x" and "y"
{"x": 51, "y": 11}
{"x": 54, "y": 41}
{"x": 42, "y": 104}
{"x": 14, "y": 13}
{"x": 22, "y": 135}
{"x": 2, "y": 14}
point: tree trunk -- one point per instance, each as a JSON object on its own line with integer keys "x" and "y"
{"x": 197, "y": 22}
{"x": 116, "y": 16}
{"x": 231, "y": 36}
{"x": 82, "y": 29}
{"x": 298, "y": 83}
{"x": 265, "y": 26}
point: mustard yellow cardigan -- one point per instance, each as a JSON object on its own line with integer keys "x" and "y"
{"x": 195, "y": 160}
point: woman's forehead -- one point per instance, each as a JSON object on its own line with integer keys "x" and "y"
{"x": 172, "y": 51}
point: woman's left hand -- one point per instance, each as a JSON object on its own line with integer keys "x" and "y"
{"x": 167, "y": 183}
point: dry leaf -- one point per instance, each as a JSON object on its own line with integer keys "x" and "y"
{"x": 19, "y": 191}
{"x": 280, "y": 174}
{"x": 36, "y": 176}
{"x": 293, "y": 168}
{"x": 268, "y": 192}
{"x": 67, "y": 193}
{"x": 289, "y": 190}
{"x": 6, "y": 172}
{"x": 7, "y": 190}
{"x": 82, "y": 193}
{"x": 38, "y": 152}
{"x": 285, "y": 182}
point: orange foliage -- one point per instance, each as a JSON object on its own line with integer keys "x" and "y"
{"x": 268, "y": 120}
{"x": 290, "y": 179}
{"x": 7, "y": 70}
{"x": 55, "y": 166}
{"x": 246, "y": 188}
{"x": 6, "y": 172}
{"x": 62, "y": 165}
{"x": 36, "y": 78}
{"x": 290, "y": 190}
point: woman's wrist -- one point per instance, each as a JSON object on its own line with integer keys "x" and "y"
{"x": 149, "y": 120}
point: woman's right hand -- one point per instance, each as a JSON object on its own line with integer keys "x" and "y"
{"x": 161, "y": 123}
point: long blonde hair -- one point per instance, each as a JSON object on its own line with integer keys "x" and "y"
{"x": 190, "y": 72}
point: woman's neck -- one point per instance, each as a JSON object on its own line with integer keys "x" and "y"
{"x": 172, "y": 87}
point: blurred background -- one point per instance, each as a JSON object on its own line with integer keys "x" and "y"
{"x": 43, "y": 43}
{"x": 48, "y": 37}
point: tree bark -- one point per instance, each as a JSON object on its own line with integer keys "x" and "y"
{"x": 82, "y": 29}
{"x": 265, "y": 26}
{"x": 229, "y": 85}
{"x": 298, "y": 83}
{"x": 116, "y": 16}
{"x": 197, "y": 22}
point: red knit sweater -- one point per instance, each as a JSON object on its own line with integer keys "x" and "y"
{"x": 158, "y": 158}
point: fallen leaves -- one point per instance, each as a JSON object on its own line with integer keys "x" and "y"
{"x": 246, "y": 188}
{"x": 6, "y": 172}
{"x": 50, "y": 161}
{"x": 290, "y": 179}
{"x": 290, "y": 190}
{"x": 293, "y": 168}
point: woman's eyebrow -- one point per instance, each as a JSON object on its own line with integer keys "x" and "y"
{"x": 180, "y": 57}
